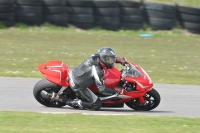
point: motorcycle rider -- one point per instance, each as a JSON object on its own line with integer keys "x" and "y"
{"x": 90, "y": 72}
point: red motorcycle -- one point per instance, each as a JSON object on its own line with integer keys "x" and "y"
{"x": 139, "y": 94}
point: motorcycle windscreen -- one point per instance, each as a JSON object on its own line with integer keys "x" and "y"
{"x": 112, "y": 77}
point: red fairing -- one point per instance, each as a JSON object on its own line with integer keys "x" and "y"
{"x": 143, "y": 82}
{"x": 55, "y": 71}
{"x": 112, "y": 77}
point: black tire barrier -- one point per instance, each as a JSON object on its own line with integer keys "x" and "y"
{"x": 191, "y": 26}
{"x": 160, "y": 14}
{"x": 107, "y": 11}
{"x": 7, "y": 2}
{"x": 105, "y": 3}
{"x": 110, "y": 14}
{"x": 160, "y": 7}
{"x": 132, "y": 15}
{"x": 7, "y": 16}
{"x": 29, "y": 2}
{"x": 29, "y": 15}
{"x": 130, "y": 3}
{"x": 80, "y": 10}
{"x": 57, "y": 19}
{"x": 107, "y": 20}
{"x": 162, "y": 24}
{"x": 24, "y": 9}
{"x": 54, "y": 2}
{"x": 7, "y": 12}
{"x": 54, "y": 9}
{"x": 8, "y": 23}
{"x": 132, "y": 19}
{"x": 30, "y": 19}
{"x": 193, "y": 31}
{"x": 81, "y": 13}
{"x": 7, "y": 8}
{"x": 189, "y": 18}
{"x": 188, "y": 10}
{"x": 107, "y": 14}
{"x": 80, "y": 3}
{"x": 132, "y": 26}
{"x": 81, "y": 18}
{"x": 131, "y": 11}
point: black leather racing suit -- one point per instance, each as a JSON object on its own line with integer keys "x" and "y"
{"x": 87, "y": 73}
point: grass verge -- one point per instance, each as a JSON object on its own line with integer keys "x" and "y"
{"x": 24, "y": 122}
{"x": 168, "y": 56}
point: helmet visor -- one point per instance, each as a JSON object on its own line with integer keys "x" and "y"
{"x": 110, "y": 60}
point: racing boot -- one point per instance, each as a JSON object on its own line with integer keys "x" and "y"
{"x": 74, "y": 103}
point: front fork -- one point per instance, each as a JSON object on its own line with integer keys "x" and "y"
{"x": 141, "y": 100}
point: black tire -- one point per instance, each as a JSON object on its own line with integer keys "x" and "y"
{"x": 80, "y": 10}
{"x": 189, "y": 18}
{"x": 107, "y": 20}
{"x": 107, "y": 11}
{"x": 55, "y": 9}
{"x": 131, "y": 11}
{"x": 29, "y": 9}
{"x": 54, "y": 2}
{"x": 105, "y": 3}
{"x": 44, "y": 86}
{"x": 153, "y": 98}
{"x": 162, "y": 23}
{"x": 160, "y": 7}
{"x": 57, "y": 19}
{"x": 7, "y": 16}
{"x": 8, "y": 23}
{"x": 188, "y": 10}
{"x": 7, "y": 2}
{"x": 130, "y": 3}
{"x": 191, "y": 26}
{"x": 132, "y": 26}
{"x": 160, "y": 14}
{"x": 29, "y": 2}
{"x": 194, "y": 31}
{"x": 29, "y": 19}
{"x": 110, "y": 27}
{"x": 132, "y": 19}
{"x": 81, "y": 18}
{"x": 80, "y": 3}
{"x": 7, "y": 8}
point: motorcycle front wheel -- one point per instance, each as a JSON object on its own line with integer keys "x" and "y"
{"x": 44, "y": 87}
{"x": 152, "y": 99}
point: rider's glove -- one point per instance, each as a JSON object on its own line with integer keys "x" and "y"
{"x": 121, "y": 60}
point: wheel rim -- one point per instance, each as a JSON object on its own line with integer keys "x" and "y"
{"x": 149, "y": 102}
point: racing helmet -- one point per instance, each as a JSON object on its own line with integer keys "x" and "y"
{"x": 107, "y": 56}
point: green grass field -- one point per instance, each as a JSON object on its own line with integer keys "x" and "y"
{"x": 23, "y": 122}
{"x": 168, "y": 56}
{"x": 190, "y": 3}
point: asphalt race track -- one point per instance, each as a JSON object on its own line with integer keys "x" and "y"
{"x": 176, "y": 100}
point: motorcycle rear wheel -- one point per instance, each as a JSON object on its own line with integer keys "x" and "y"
{"x": 40, "y": 91}
{"x": 152, "y": 99}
